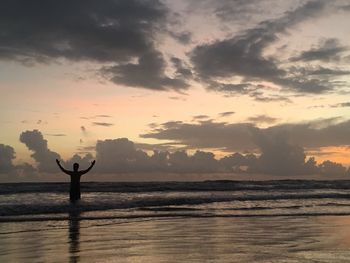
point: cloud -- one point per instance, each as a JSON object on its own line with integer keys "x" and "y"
{"x": 119, "y": 155}
{"x": 103, "y": 116}
{"x": 111, "y": 33}
{"x": 242, "y": 56}
{"x": 84, "y": 162}
{"x": 7, "y": 155}
{"x": 226, "y": 113}
{"x": 340, "y": 105}
{"x": 239, "y": 136}
{"x": 239, "y": 163}
{"x": 148, "y": 72}
{"x": 177, "y": 98}
{"x": 200, "y": 117}
{"x": 260, "y": 97}
{"x": 182, "y": 37}
{"x": 56, "y": 134}
{"x": 9, "y": 171}
{"x": 328, "y": 50}
{"x": 182, "y": 70}
{"x": 233, "y": 11}
{"x": 262, "y": 119}
{"x": 209, "y": 134}
{"x": 44, "y": 157}
{"x": 105, "y": 124}
{"x": 331, "y": 168}
{"x": 278, "y": 156}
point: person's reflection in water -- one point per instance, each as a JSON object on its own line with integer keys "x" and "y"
{"x": 74, "y": 234}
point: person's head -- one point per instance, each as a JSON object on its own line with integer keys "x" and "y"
{"x": 75, "y": 167}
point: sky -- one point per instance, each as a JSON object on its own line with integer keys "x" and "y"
{"x": 155, "y": 86}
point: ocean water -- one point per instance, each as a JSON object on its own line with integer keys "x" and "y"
{"x": 211, "y": 221}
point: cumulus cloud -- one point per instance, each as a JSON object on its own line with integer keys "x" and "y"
{"x": 11, "y": 172}
{"x": 277, "y": 156}
{"x": 111, "y": 33}
{"x": 331, "y": 168}
{"x": 44, "y": 157}
{"x": 7, "y": 154}
{"x": 120, "y": 155}
{"x": 83, "y": 162}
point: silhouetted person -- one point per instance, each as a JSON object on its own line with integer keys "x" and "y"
{"x": 74, "y": 193}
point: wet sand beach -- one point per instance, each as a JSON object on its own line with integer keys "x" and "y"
{"x": 178, "y": 239}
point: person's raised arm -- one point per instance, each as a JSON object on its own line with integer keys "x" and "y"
{"x": 60, "y": 166}
{"x": 88, "y": 169}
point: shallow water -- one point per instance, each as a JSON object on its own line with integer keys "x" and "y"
{"x": 274, "y": 221}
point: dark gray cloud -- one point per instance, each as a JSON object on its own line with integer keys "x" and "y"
{"x": 9, "y": 171}
{"x": 177, "y": 98}
{"x": 105, "y": 124}
{"x": 278, "y": 156}
{"x": 260, "y": 97}
{"x": 7, "y": 155}
{"x": 147, "y": 73}
{"x": 120, "y": 155}
{"x": 226, "y": 113}
{"x": 332, "y": 168}
{"x": 262, "y": 119}
{"x": 112, "y": 32}
{"x": 327, "y": 50}
{"x": 328, "y": 71}
{"x": 340, "y": 105}
{"x": 79, "y": 30}
{"x": 240, "y": 136}
{"x": 103, "y": 116}
{"x": 237, "y": 11}
{"x": 44, "y": 157}
{"x": 83, "y": 162}
{"x": 242, "y": 56}
{"x": 182, "y": 37}
{"x": 200, "y": 117}
{"x": 231, "y": 137}
{"x": 56, "y": 134}
{"x": 182, "y": 70}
